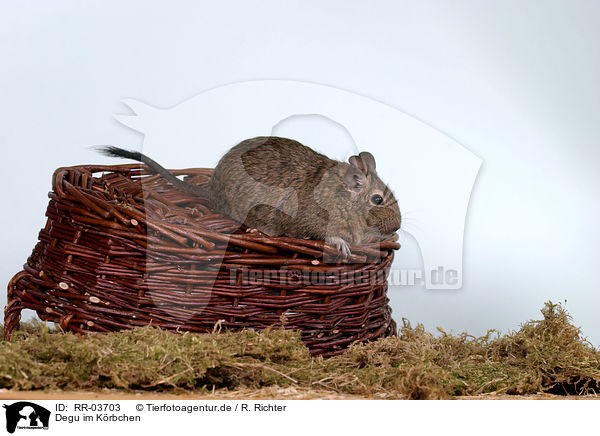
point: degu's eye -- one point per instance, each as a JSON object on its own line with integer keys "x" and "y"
{"x": 376, "y": 199}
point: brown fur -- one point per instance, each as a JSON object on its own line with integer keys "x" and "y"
{"x": 284, "y": 188}
{"x": 308, "y": 195}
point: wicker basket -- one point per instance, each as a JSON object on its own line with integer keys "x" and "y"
{"x": 121, "y": 248}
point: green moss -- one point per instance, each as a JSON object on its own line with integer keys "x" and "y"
{"x": 549, "y": 355}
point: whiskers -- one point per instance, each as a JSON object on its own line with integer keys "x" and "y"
{"x": 410, "y": 220}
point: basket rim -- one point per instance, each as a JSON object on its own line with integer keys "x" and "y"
{"x": 255, "y": 239}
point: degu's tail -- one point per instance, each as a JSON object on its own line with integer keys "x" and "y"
{"x": 186, "y": 187}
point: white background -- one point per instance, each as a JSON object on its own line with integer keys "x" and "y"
{"x": 359, "y": 417}
{"x": 515, "y": 82}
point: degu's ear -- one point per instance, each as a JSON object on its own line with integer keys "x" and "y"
{"x": 365, "y": 162}
{"x": 355, "y": 179}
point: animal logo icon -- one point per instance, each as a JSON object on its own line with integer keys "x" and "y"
{"x": 431, "y": 174}
{"x": 27, "y": 415}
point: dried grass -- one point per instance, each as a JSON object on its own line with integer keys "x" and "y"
{"x": 545, "y": 356}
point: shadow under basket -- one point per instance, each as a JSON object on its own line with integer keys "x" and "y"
{"x": 122, "y": 248}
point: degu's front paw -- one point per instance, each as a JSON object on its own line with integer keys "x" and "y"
{"x": 341, "y": 245}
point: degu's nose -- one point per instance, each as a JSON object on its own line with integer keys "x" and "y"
{"x": 385, "y": 219}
